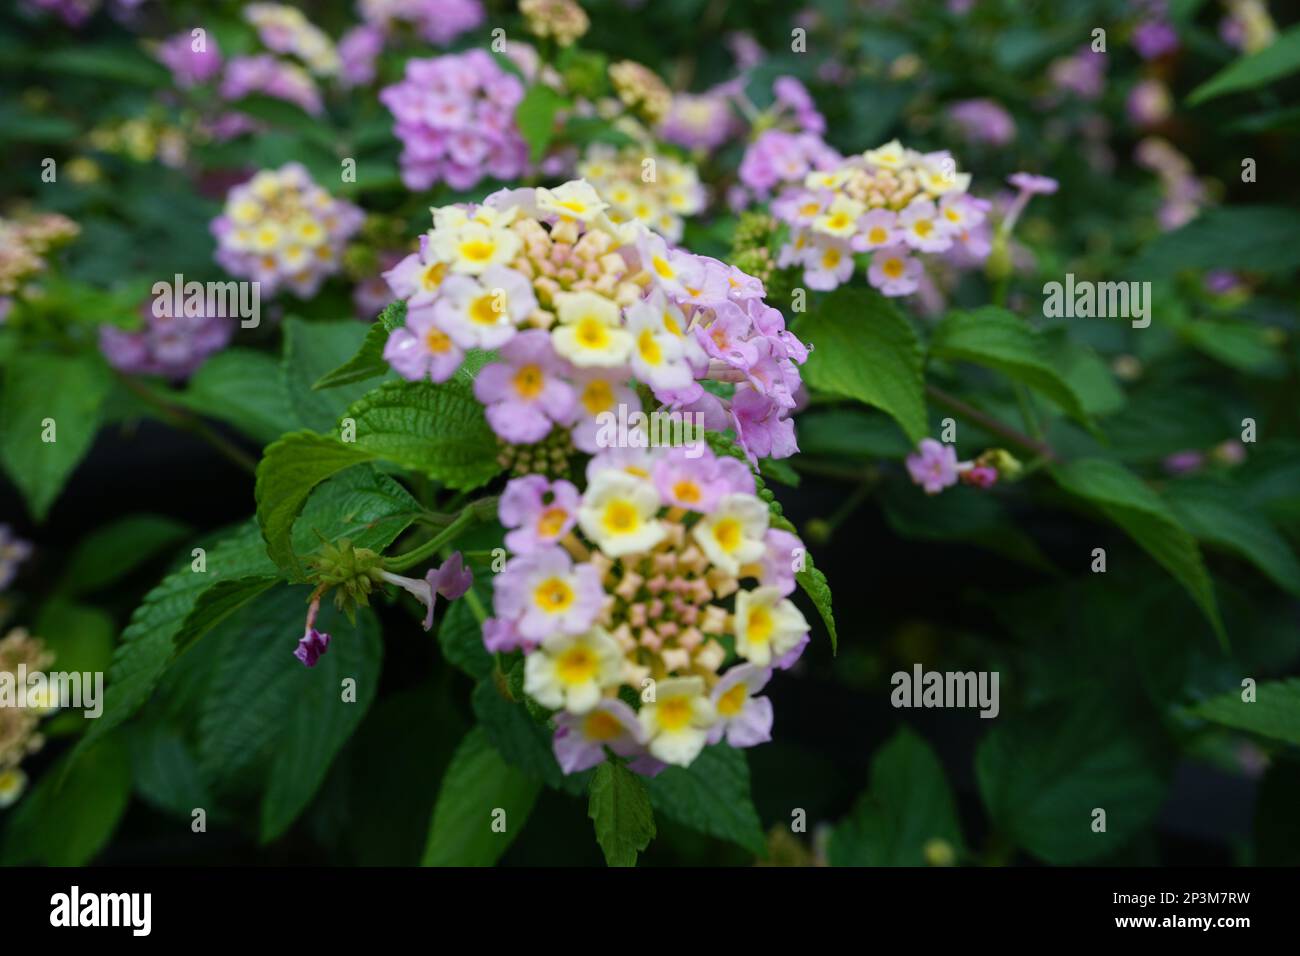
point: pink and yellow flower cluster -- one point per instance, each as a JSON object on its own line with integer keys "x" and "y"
{"x": 893, "y": 203}
{"x": 581, "y": 311}
{"x": 652, "y": 606}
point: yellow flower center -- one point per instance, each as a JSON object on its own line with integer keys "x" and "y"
{"x": 577, "y": 665}
{"x": 923, "y": 227}
{"x": 838, "y": 220}
{"x": 437, "y": 342}
{"x": 554, "y": 595}
{"x": 592, "y": 333}
{"x": 620, "y": 517}
{"x": 551, "y": 521}
{"x": 687, "y": 491}
{"x": 830, "y": 258}
{"x": 432, "y": 276}
{"x": 761, "y": 625}
{"x": 809, "y": 209}
{"x": 893, "y": 268}
{"x": 674, "y": 713}
{"x": 671, "y": 325}
{"x": 483, "y": 310}
{"x": 662, "y": 267}
{"x": 733, "y": 701}
{"x": 597, "y": 396}
{"x": 878, "y": 235}
{"x": 477, "y": 250}
{"x": 651, "y": 354}
{"x": 529, "y": 381}
{"x": 599, "y": 725}
{"x": 728, "y": 534}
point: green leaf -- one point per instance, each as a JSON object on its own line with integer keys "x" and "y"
{"x": 1043, "y": 772}
{"x": 1145, "y": 518}
{"x": 817, "y": 588}
{"x": 712, "y": 796}
{"x": 243, "y": 388}
{"x": 146, "y": 647}
{"x": 475, "y": 787}
{"x": 1248, "y": 238}
{"x": 286, "y": 475}
{"x": 1219, "y": 518}
{"x": 263, "y": 706}
{"x": 115, "y": 63}
{"x": 908, "y": 805}
{"x": 620, "y": 810}
{"x": 73, "y": 809}
{"x": 461, "y": 638}
{"x": 997, "y": 339}
{"x": 49, "y": 396}
{"x": 219, "y": 602}
{"x": 520, "y": 740}
{"x": 114, "y": 550}
{"x": 166, "y": 772}
{"x": 439, "y": 430}
{"x": 365, "y": 364}
{"x": 311, "y": 349}
{"x": 1244, "y": 346}
{"x": 863, "y": 348}
{"x": 1275, "y": 712}
{"x": 1280, "y": 58}
{"x": 369, "y": 508}
{"x": 80, "y": 636}
{"x": 535, "y": 117}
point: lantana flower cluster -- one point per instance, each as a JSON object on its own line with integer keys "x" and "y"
{"x": 25, "y": 243}
{"x": 455, "y": 117}
{"x": 656, "y": 191}
{"x": 170, "y": 346}
{"x": 283, "y": 230}
{"x": 19, "y": 725}
{"x": 663, "y": 585}
{"x": 891, "y": 202}
{"x": 286, "y": 30}
{"x": 437, "y": 21}
{"x": 580, "y": 311}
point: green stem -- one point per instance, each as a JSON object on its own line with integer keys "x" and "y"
{"x": 470, "y": 515}
{"x": 991, "y": 424}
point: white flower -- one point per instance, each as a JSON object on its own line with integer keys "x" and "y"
{"x": 840, "y": 219}
{"x": 576, "y": 199}
{"x": 618, "y": 513}
{"x": 570, "y": 671}
{"x": 658, "y": 355}
{"x": 890, "y": 156}
{"x": 484, "y": 313}
{"x": 473, "y": 247}
{"x": 767, "y": 625}
{"x": 677, "y": 724}
{"x": 733, "y": 535}
{"x": 590, "y": 332}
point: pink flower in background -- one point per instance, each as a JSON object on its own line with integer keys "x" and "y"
{"x": 455, "y": 118}
{"x": 359, "y": 51}
{"x": 438, "y": 21}
{"x": 169, "y": 346}
{"x": 933, "y": 466}
{"x": 190, "y": 67}
{"x": 273, "y": 77}
{"x": 699, "y": 121}
{"x": 538, "y": 511}
{"x": 1154, "y": 38}
{"x": 983, "y": 121}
